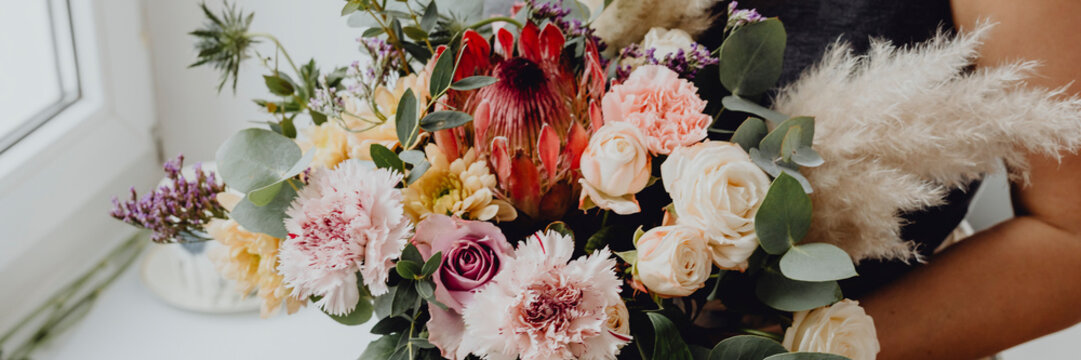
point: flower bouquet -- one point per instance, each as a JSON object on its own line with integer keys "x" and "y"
{"x": 511, "y": 187}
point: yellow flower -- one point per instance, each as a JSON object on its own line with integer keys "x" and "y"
{"x": 462, "y": 188}
{"x": 251, "y": 259}
{"x": 334, "y": 144}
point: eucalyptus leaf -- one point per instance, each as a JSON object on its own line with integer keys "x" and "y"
{"x": 817, "y": 262}
{"x": 407, "y": 269}
{"x": 381, "y": 348}
{"x": 417, "y": 172}
{"x": 385, "y": 158}
{"x": 405, "y": 299}
{"x": 278, "y": 85}
{"x": 255, "y": 158}
{"x": 390, "y": 325}
{"x": 406, "y": 120}
{"x": 442, "y": 73}
{"x": 415, "y": 33}
{"x": 746, "y": 347}
{"x": 668, "y": 344}
{"x": 432, "y": 264}
{"x": 266, "y": 194}
{"x": 784, "y": 216}
{"x": 426, "y": 289}
{"x": 473, "y": 82}
{"x": 791, "y": 143}
{"x": 782, "y": 293}
{"x": 772, "y": 143}
{"x": 751, "y": 57}
{"x": 359, "y": 315}
{"x": 736, "y": 103}
{"x": 749, "y": 133}
{"x": 430, "y": 17}
{"x": 807, "y": 156}
{"x": 372, "y": 32}
{"x": 446, "y": 119}
{"x": 265, "y": 219}
{"x": 806, "y": 356}
{"x": 412, "y": 254}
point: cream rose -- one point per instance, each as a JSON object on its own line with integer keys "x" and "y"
{"x": 842, "y": 329}
{"x": 673, "y": 260}
{"x": 615, "y": 166}
{"x": 665, "y": 42}
{"x": 717, "y": 189}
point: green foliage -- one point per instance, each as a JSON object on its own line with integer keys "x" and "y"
{"x": 668, "y": 344}
{"x": 817, "y": 262}
{"x": 598, "y": 240}
{"x": 419, "y": 163}
{"x": 278, "y": 85}
{"x": 751, "y": 57}
{"x": 749, "y": 133}
{"x": 406, "y": 120}
{"x": 773, "y": 143}
{"x": 784, "y": 216}
{"x": 746, "y": 347}
{"x": 432, "y": 264}
{"x": 386, "y": 159}
{"x": 359, "y": 315}
{"x": 256, "y": 161}
{"x": 381, "y": 348}
{"x": 406, "y": 299}
{"x": 560, "y": 227}
{"x": 446, "y": 119}
{"x": 408, "y": 269}
{"x": 736, "y": 103}
{"x": 442, "y": 73}
{"x": 782, "y": 293}
{"x": 265, "y": 219}
{"x": 473, "y": 82}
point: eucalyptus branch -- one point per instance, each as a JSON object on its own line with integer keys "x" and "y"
{"x": 512, "y": 21}
{"x": 279, "y": 48}
{"x": 416, "y": 22}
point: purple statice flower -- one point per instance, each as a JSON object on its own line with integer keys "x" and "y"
{"x": 178, "y": 211}
{"x": 740, "y": 17}
{"x": 685, "y": 62}
{"x": 557, "y": 14}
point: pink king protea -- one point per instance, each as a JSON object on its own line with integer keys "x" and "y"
{"x": 534, "y": 123}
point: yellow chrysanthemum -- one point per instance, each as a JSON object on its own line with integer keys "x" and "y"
{"x": 251, "y": 259}
{"x": 462, "y": 188}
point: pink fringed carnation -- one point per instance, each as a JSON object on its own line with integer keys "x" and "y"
{"x": 346, "y": 220}
{"x": 542, "y": 307}
{"x": 666, "y": 108}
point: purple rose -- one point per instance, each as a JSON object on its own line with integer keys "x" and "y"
{"x": 473, "y": 253}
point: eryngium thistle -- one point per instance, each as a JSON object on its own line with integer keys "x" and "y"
{"x": 224, "y": 42}
{"x": 900, "y": 127}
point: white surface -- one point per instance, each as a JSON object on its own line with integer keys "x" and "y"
{"x": 128, "y": 322}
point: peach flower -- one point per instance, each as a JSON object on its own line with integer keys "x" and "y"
{"x": 615, "y": 166}
{"x": 663, "y": 106}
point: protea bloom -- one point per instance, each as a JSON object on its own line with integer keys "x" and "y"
{"x": 534, "y": 123}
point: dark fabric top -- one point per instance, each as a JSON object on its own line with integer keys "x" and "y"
{"x": 812, "y": 25}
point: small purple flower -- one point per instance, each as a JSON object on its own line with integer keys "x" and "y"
{"x": 740, "y": 17}
{"x": 684, "y": 62}
{"x": 178, "y": 211}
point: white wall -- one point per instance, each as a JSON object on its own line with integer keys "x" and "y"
{"x": 193, "y": 118}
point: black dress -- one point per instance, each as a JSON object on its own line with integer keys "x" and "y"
{"x": 812, "y": 25}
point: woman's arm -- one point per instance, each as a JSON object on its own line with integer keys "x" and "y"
{"x": 1021, "y": 279}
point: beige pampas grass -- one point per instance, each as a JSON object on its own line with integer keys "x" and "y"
{"x": 900, "y": 127}
{"x": 625, "y": 22}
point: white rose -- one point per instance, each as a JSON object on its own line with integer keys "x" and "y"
{"x": 717, "y": 189}
{"x": 673, "y": 260}
{"x": 665, "y": 42}
{"x": 615, "y": 166}
{"x": 842, "y": 329}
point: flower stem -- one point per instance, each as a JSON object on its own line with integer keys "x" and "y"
{"x": 495, "y": 19}
{"x": 281, "y": 49}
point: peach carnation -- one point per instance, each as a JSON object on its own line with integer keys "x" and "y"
{"x": 663, "y": 106}
{"x": 347, "y": 220}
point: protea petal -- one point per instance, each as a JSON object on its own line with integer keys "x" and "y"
{"x": 529, "y": 43}
{"x": 551, "y": 43}
{"x": 474, "y": 57}
{"x": 481, "y": 119}
{"x": 548, "y": 149}
{"x": 577, "y": 140}
{"x": 596, "y": 116}
{"x": 448, "y": 142}
{"x": 556, "y": 201}
{"x": 505, "y": 40}
{"x": 500, "y": 158}
{"x": 524, "y": 185}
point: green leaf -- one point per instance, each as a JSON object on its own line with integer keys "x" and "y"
{"x": 408, "y": 269}
{"x": 782, "y": 293}
{"x": 266, "y": 194}
{"x": 749, "y": 133}
{"x": 390, "y": 325}
{"x": 430, "y": 17}
{"x": 751, "y": 57}
{"x": 417, "y": 171}
{"x": 560, "y": 227}
{"x": 426, "y": 289}
{"x": 668, "y": 343}
{"x": 736, "y": 103}
{"x": 255, "y": 158}
{"x": 598, "y": 240}
{"x": 406, "y": 120}
{"x": 473, "y": 82}
{"x": 406, "y": 298}
{"x": 442, "y": 74}
{"x": 784, "y": 216}
{"x": 806, "y": 156}
{"x": 360, "y": 314}
{"x": 817, "y": 262}
{"x": 318, "y": 118}
{"x": 386, "y": 159}
{"x": 412, "y": 254}
{"x": 746, "y": 347}
{"x": 772, "y": 144}
{"x": 432, "y": 264}
{"x": 806, "y": 356}
{"x": 413, "y": 157}
{"x": 791, "y": 143}
{"x": 381, "y": 348}
{"x": 372, "y": 32}
{"x": 277, "y": 85}
{"x": 446, "y": 119}
{"x": 415, "y": 33}
{"x": 265, "y": 219}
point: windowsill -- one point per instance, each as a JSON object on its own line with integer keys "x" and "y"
{"x": 128, "y": 322}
